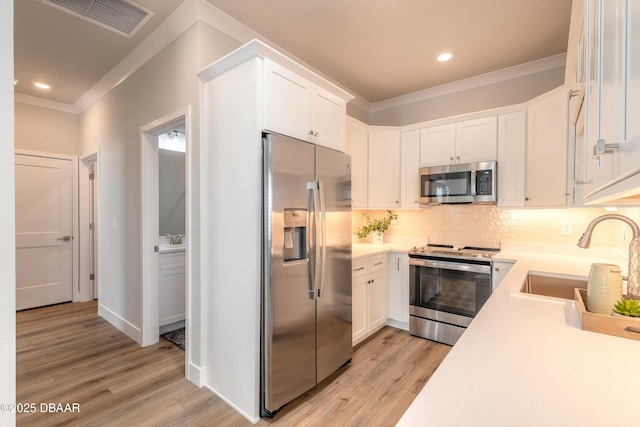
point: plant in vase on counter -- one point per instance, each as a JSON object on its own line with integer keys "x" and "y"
{"x": 627, "y": 307}
{"x": 376, "y": 226}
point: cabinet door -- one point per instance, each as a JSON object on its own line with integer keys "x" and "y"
{"x": 384, "y": 169}
{"x": 476, "y": 140}
{"x": 399, "y": 287}
{"x": 359, "y": 307}
{"x": 327, "y": 120}
{"x": 512, "y": 135}
{"x": 438, "y": 145}
{"x": 547, "y": 151}
{"x": 377, "y": 300}
{"x": 172, "y": 295}
{"x": 359, "y": 317}
{"x": 357, "y": 137}
{"x": 409, "y": 169}
{"x": 286, "y": 101}
{"x": 629, "y": 153}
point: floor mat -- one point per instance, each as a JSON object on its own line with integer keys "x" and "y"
{"x": 175, "y": 337}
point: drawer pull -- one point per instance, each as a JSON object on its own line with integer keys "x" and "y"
{"x": 378, "y": 263}
{"x": 359, "y": 269}
{"x": 632, "y": 329}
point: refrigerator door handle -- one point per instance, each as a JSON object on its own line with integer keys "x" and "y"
{"x": 323, "y": 242}
{"x": 311, "y": 199}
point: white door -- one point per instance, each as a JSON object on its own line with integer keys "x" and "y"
{"x": 44, "y": 224}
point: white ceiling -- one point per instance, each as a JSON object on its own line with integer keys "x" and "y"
{"x": 378, "y": 49}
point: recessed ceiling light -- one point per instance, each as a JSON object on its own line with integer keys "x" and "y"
{"x": 445, "y": 56}
{"x": 42, "y": 85}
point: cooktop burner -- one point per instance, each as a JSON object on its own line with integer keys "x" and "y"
{"x": 451, "y": 251}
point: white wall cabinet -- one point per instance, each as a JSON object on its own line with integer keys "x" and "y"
{"x": 172, "y": 287}
{"x": 384, "y": 169}
{"x": 612, "y": 140}
{"x": 399, "y": 290}
{"x": 357, "y": 147}
{"x": 512, "y": 138}
{"x": 547, "y": 144}
{"x": 462, "y": 142}
{"x": 410, "y": 169}
{"x": 369, "y": 295}
{"x": 296, "y": 107}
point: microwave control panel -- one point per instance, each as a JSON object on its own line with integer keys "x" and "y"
{"x": 484, "y": 182}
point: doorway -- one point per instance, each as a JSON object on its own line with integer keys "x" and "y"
{"x": 89, "y": 226}
{"x": 172, "y": 269}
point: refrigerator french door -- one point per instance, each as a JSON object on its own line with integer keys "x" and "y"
{"x": 306, "y": 285}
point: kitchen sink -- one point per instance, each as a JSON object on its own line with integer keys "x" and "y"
{"x": 551, "y": 285}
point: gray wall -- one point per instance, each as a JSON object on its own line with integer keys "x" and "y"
{"x": 508, "y": 92}
{"x": 46, "y": 130}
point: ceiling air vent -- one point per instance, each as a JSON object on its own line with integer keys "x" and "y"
{"x": 121, "y": 16}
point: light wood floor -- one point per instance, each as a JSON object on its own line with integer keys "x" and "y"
{"x": 67, "y": 354}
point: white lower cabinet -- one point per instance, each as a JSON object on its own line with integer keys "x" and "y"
{"x": 399, "y": 290}
{"x": 172, "y": 287}
{"x": 369, "y": 295}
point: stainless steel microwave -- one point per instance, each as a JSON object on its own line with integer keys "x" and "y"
{"x": 459, "y": 183}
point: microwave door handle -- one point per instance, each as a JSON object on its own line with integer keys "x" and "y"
{"x": 323, "y": 240}
{"x": 311, "y": 200}
{"x": 473, "y": 182}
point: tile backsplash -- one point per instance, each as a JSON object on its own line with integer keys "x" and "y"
{"x": 487, "y": 226}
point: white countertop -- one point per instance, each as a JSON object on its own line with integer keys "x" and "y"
{"x": 163, "y": 249}
{"x": 525, "y": 361}
{"x": 365, "y": 249}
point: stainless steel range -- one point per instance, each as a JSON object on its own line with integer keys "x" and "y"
{"x": 448, "y": 286}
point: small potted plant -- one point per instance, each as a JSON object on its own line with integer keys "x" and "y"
{"x": 627, "y": 307}
{"x": 376, "y": 226}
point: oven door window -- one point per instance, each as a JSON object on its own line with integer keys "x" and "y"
{"x": 451, "y": 291}
{"x": 446, "y": 184}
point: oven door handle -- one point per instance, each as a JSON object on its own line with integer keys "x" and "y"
{"x": 457, "y": 266}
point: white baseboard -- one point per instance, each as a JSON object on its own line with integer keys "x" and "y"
{"x": 238, "y": 410}
{"x": 123, "y": 325}
{"x": 195, "y": 374}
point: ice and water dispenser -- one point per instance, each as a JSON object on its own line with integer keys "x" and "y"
{"x": 295, "y": 234}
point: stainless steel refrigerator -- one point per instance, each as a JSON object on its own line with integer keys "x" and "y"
{"x": 306, "y": 284}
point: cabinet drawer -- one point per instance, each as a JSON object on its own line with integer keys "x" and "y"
{"x": 377, "y": 262}
{"x": 171, "y": 260}
{"x": 359, "y": 266}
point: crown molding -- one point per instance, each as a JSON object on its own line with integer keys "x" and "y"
{"x": 520, "y": 70}
{"x": 45, "y": 103}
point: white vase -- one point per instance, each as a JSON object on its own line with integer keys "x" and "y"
{"x": 377, "y": 238}
{"x": 604, "y": 288}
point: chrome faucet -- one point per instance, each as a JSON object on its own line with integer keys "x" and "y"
{"x": 175, "y": 240}
{"x": 633, "y": 280}
{"x": 585, "y": 240}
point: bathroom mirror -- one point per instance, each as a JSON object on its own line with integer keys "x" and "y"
{"x": 171, "y": 157}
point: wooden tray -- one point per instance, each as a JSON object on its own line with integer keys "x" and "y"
{"x": 620, "y": 326}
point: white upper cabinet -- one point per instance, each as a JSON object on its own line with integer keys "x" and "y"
{"x": 296, "y": 107}
{"x": 612, "y": 140}
{"x": 438, "y": 145}
{"x": 357, "y": 143}
{"x": 476, "y": 140}
{"x": 410, "y": 169}
{"x": 384, "y": 169}
{"x": 512, "y": 138}
{"x": 463, "y": 142}
{"x": 547, "y": 143}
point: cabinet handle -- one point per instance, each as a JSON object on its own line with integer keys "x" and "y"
{"x": 451, "y": 158}
{"x": 359, "y": 269}
{"x": 457, "y": 157}
{"x": 496, "y": 269}
{"x": 378, "y": 263}
{"x": 310, "y": 133}
{"x": 602, "y": 147}
{"x": 573, "y": 92}
{"x": 398, "y": 263}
